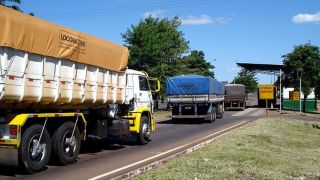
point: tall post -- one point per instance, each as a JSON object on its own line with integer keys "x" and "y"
{"x": 300, "y": 94}
{"x": 299, "y": 74}
{"x": 280, "y": 91}
{"x": 266, "y": 107}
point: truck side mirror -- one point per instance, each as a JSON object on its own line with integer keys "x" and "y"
{"x": 154, "y": 84}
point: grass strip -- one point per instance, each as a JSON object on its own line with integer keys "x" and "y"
{"x": 269, "y": 148}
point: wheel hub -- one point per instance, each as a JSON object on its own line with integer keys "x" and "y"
{"x": 146, "y": 130}
{"x": 37, "y": 149}
{"x": 70, "y": 145}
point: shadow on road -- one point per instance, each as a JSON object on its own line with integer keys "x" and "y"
{"x": 183, "y": 121}
{"x": 99, "y": 145}
{"x": 9, "y": 171}
{"x": 91, "y": 146}
{"x": 13, "y": 172}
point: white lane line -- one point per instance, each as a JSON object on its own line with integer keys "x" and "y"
{"x": 246, "y": 111}
{"x": 161, "y": 154}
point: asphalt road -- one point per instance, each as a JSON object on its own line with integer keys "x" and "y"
{"x": 99, "y": 158}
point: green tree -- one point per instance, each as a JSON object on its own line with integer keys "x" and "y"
{"x": 11, "y": 4}
{"x": 248, "y": 79}
{"x": 306, "y": 58}
{"x": 156, "y": 45}
{"x": 196, "y": 64}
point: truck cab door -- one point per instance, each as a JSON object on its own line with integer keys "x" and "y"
{"x": 144, "y": 95}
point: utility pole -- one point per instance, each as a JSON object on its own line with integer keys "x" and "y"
{"x": 280, "y": 73}
{"x": 300, "y": 94}
{"x": 299, "y": 74}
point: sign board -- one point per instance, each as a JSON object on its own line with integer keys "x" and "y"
{"x": 294, "y": 95}
{"x": 266, "y": 91}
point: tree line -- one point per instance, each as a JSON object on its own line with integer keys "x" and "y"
{"x": 158, "y": 47}
{"x": 304, "y": 62}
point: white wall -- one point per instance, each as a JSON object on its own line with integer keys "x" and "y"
{"x": 286, "y": 93}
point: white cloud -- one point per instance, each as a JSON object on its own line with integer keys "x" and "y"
{"x": 204, "y": 19}
{"x": 192, "y": 20}
{"x": 306, "y": 18}
{"x": 155, "y": 14}
{"x": 222, "y": 20}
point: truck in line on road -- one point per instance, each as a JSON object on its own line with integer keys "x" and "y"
{"x": 235, "y": 96}
{"x": 58, "y": 87}
{"x": 195, "y": 97}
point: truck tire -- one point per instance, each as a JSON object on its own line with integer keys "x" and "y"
{"x": 31, "y": 158}
{"x": 143, "y": 137}
{"x": 220, "y": 115}
{"x": 221, "y": 112}
{"x": 213, "y": 116}
{"x": 244, "y": 107}
{"x": 65, "y": 150}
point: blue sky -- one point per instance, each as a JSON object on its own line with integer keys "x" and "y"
{"x": 227, "y": 31}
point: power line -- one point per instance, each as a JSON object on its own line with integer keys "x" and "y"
{"x": 132, "y": 9}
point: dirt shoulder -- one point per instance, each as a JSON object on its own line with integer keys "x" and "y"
{"x": 294, "y": 115}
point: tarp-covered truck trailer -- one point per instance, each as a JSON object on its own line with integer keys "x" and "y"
{"x": 235, "y": 96}
{"x": 59, "y": 86}
{"x": 195, "y": 97}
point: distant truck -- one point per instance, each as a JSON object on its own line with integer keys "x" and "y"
{"x": 235, "y": 97}
{"x": 59, "y": 87}
{"x": 195, "y": 97}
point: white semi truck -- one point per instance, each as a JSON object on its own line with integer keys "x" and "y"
{"x": 59, "y": 86}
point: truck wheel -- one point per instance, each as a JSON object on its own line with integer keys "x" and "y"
{"x": 34, "y": 155}
{"x": 144, "y": 131}
{"x": 221, "y": 112}
{"x": 213, "y": 116}
{"x": 220, "y": 115}
{"x": 65, "y": 149}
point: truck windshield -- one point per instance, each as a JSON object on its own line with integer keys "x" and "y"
{"x": 143, "y": 82}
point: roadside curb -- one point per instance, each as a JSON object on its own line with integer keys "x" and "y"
{"x": 180, "y": 152}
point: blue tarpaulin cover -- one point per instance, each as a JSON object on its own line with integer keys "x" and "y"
{"x": 193, "y": 84}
